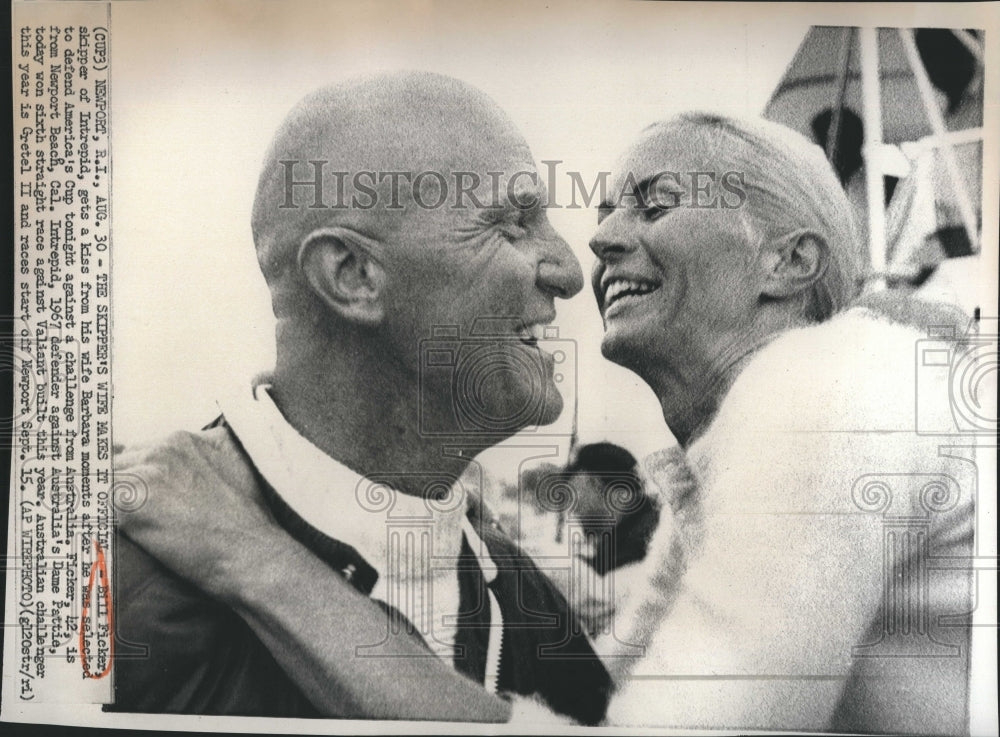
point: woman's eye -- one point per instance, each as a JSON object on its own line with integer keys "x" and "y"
{"x": 660, "y": 204}
{"x": 655, "y": 212}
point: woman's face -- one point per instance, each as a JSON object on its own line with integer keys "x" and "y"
{"x": 676, "y": 272}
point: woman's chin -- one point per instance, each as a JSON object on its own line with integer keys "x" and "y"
{"x": 621, "y": 346}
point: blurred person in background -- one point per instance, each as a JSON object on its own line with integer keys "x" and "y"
{"x": 612, "y": 508}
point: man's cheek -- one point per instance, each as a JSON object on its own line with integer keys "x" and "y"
{"x": 476, "y": 249}
{"x": 503, "y": 296}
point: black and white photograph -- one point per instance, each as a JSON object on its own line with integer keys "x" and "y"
{"x": 485, "y": 367}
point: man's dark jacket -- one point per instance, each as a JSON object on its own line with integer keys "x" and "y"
{"x": 180, "y": 651}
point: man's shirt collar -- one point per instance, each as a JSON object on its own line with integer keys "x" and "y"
{"x": 336, "y": 500}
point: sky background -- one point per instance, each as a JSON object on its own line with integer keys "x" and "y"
{"x": 198, "y": 88}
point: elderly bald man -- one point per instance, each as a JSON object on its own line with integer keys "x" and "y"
{"x": 332, "y": 441}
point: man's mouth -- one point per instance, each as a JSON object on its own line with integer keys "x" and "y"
{"x": 621, "y": 291}
{"x": 531, "y": 333}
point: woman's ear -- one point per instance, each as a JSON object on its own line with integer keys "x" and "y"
{"x": 793, "y": 263}
{"x": 341, "y": 268}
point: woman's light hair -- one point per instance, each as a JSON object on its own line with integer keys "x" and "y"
{"x": 790, "y": 186}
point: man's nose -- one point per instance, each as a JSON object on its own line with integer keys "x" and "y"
{"x": 559, "y": 270}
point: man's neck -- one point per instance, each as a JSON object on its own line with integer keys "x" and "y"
{"x": 366, "y": 420}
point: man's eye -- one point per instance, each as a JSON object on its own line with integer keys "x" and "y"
{"x": 512, "y": 233}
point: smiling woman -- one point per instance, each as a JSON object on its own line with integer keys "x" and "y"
{"x": 682, "y": 277}
{"x": 741, "y": 323}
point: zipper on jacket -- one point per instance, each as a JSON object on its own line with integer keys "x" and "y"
{"x": 494, "y": 647}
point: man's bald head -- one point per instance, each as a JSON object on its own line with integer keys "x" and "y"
{"x": 402, "y": 122}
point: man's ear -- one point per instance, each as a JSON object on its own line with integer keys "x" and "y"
{"x": 793, "y": 263}
{"x": 342, "y": 269}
